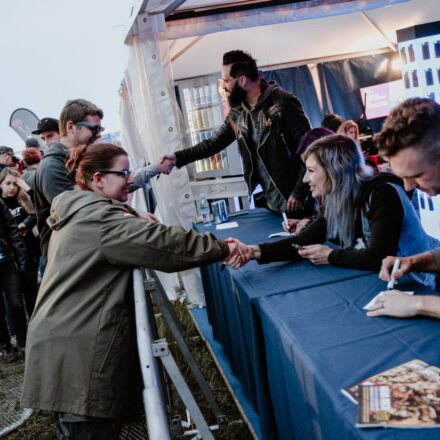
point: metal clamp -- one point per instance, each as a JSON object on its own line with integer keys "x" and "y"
{"x": 149, "y": 284}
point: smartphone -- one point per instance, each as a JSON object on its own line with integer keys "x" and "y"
{"x": 298, "y": 247}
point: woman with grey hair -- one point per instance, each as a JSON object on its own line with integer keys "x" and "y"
{"x": 368, "y": 216}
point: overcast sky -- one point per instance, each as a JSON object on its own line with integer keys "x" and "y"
{"x": 55, "y": 50}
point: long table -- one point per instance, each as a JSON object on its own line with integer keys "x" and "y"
{"x": 253, "y": 312}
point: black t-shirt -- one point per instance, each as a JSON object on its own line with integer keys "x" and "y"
{"x": 16, "y": 210}
{"x": 20, "y": 215}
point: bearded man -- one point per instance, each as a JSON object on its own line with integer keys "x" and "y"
{"x": 267, "y": 123}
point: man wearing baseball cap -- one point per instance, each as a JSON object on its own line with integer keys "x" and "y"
{"x": 48, "y": 130}
{"x": 7, "y": 157}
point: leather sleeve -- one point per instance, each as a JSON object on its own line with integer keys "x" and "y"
{"x": 223, "y": 137}
{"x": 31, "y": 220}
{"x": 297, "y": 124}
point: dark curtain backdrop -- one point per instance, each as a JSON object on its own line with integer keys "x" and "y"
{"x": 339, "y": 82}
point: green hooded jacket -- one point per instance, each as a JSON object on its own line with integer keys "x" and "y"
{"x": 81, "y": 354}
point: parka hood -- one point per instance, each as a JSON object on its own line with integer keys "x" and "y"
{"x": 68, "y": 203}
{"x": 56, "y": 149}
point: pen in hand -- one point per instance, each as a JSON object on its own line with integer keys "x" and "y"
{"x": 396, "y": 266}
{"x": 286, "y": 221}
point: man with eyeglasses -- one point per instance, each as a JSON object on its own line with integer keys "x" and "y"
{"x": 80, "y": 124}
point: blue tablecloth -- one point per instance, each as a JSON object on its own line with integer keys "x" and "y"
{"x": 319, "y": 340}
{"x": 230, "y": 296}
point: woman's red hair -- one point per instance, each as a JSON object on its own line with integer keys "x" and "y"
{"x": 31, "y": 156}
{"x": 87, "y": 160}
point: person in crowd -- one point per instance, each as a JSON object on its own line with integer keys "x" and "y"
{"x": 7, "y": 157}
{"x": 81, "y": 356}
{"x": 332, "y": 121}
{"x": 12, "y": 260}
{"x": 48, "y": 131}
{"x": 32, "y": 143}
{"x": 31, "y": 158}
{"x": 80, "y": 124}
{"x": 17, "y": 164}
{"x": 350, "y": 129}
{"x": 368, "y": 216}
{"x": 295, "y": 225}
{"x": 14, "y": 194}
{"x": 311, "y": 136}
{"x": 267, "y": 123}
{"x": 410, "y": 140}
{"x": 29, "y": 143}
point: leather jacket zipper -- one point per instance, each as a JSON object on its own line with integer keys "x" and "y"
{"x": 262, "y": 161}
{"x": 257, "y": 152}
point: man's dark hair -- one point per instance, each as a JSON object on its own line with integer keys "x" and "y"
{"x": 242, "y": 63}
{"x": 332, "y": 121}
{"x": 413, "y": 123}
{"x": 32, "y": 143}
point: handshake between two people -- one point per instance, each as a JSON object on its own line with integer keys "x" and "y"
{"x": 240, "y": 253}
{"x": 166, "y": 163}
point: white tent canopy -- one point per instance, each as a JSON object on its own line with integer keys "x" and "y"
{"x": 342, "y": 29}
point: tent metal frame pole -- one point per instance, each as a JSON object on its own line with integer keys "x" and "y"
{"x": 164, "y": 8}
{"x": 187, "y": 47}
{"x": 371, "y": 22}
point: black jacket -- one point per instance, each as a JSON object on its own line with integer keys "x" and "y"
{"x": 12, "y": 247}
{"x": 51, "y": 179}
{"x": 20, "y": 215}
{"x": 285, "y": 123}
{"x": 381, "y": 205}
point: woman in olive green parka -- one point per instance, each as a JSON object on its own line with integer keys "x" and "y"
{"x": 81, "y": 355}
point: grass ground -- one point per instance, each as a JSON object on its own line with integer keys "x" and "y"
{"x": 40, "y": 425}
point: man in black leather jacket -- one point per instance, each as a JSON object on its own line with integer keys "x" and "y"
{"x": 267, "y": 123}
{"x": 12, "y": 259}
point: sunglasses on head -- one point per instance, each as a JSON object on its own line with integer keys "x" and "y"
{"x": 94, "y": 128}
{"x": 123, "y": 173}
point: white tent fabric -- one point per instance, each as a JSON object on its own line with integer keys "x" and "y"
{"x": 152, "y": 127}
{"x": 306, "y": 41}
{"x": 270, "y": 15}
{"x": 158, "y": 121}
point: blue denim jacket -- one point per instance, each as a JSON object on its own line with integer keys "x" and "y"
{"x": 413, "y": 238}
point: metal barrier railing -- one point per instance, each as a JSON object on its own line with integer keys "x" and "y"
{"x": 154, "y": 403}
